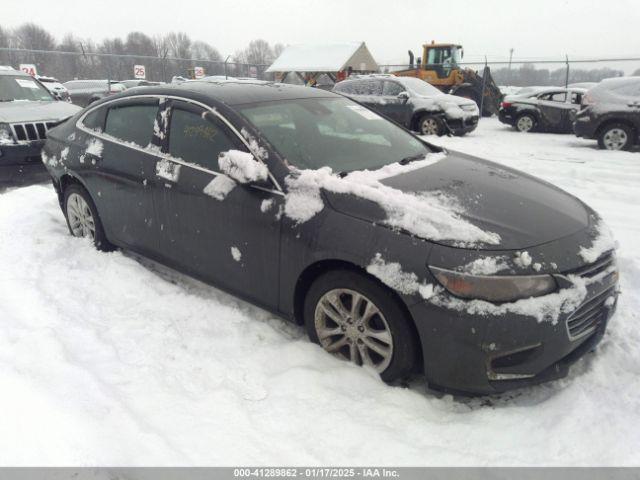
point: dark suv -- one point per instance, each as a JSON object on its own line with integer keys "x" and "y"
{"x": 27, "y": 111}
{"x": 611, "y": 113}
{"x": 413, "y": 103}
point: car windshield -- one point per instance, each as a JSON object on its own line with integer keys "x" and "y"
{"x": 420, "y": 87}
{"x": 16, "y": 88}
{"x": 311, "y": 133}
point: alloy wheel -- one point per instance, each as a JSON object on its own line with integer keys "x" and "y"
{"x": 80, "y": 217}
{"x": 429, "y": 126}
{"x": 350, "y": 326}
{"x": 615, "y": 139}
{"x": 525, "y": 123}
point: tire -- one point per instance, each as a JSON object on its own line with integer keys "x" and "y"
{"x": 525, "y": 123}
{"x": 430, "y": 125}
{"x": 616, "y": 136}
{"x": 82, "y": 217}
{"x": 352, "y": 332}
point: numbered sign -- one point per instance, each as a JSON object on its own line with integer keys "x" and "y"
{"x": 198, "y": 72}
{"x": 29, "y": 68}
{"x": 139, "y": 72}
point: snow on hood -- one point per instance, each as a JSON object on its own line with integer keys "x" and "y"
{"x": 20, "y": 112}
{"x": 430, "y": 215}
{"x": 453, "y": 106}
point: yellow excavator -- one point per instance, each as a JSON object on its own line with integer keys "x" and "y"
{"x": 440, "y": 66}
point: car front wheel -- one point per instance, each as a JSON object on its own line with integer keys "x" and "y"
{"x": 356, "y": 319}
{"x": 430, "y": 125}
{"x": 82, "y": 217}
{"x": 616, "y": 137}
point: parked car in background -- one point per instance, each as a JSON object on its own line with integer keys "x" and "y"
{"x": 27, "y": 111}
{"x": 55, "y": 87}
{"x": 138, "y": 83}
{"x": 323, "y": 211}
{"x": 413, "y": 103}
{"x": 551, "y": 110}
{"x": 85, "y": 92}
{"x": 611, "y": 113}
{"x": 585, "y": 85}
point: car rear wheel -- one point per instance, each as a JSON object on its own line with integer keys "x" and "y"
{"x": 430, "y": 125}
{"x": 82, "y": 217}
{"x": 356, "y": 319}
{"x": 616, "y": 137}
{"x": 525, "y": 123}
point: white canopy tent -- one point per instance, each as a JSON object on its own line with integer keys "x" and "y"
{"x": 330, "y": 59}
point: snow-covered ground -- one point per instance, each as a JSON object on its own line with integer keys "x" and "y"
{"x": 109, "y": 359}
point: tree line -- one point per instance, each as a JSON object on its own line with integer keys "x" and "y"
{"x": 163, "y": 56}
{"x": 529, "y": 75}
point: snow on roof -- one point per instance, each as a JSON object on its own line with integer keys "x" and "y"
{"x": 324, "y": 58}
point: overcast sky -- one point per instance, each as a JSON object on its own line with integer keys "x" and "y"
{"x": 540, "y": 28}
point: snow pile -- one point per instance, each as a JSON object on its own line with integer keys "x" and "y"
{"x": 168, "y": 170}
{"x": 254, "y": 147}
{"x": 94, "y": 147}
{"x": 430, "y": 215}
{"x": 391, "y": 274}
{"x": 242, "y": 166}
{"x": 220, "y": 187}
{"x": 603, "y": 243}
{"x": 486, "y": 266}
{"x": 522, "y": 259}
{"x": 266, "y": 205}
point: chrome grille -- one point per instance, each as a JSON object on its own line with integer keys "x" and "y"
{"x": 604, "y": 262}
{"x": 27, "y": 132}
{"x": 588, "y": 317}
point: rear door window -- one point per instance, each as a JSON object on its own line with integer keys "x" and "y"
{"x": 132, "y": 122}
{"x": 196, "y": 136}
{"x": 554, "y": 96}
{"x": 392, "y": 89}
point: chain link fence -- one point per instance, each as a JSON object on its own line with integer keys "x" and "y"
{"x": 66, "y": 66}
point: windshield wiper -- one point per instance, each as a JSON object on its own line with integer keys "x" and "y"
{"x": 411, "y": 158}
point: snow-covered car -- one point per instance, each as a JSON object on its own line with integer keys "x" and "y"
{"x": 27, "y": 112}
{"x": 394, "y": 253}
{"x": 551, "y": 110}
{"x": 611, "y": 114}
{"x": 413, "y": 103}
{"x": 54, "y": 86}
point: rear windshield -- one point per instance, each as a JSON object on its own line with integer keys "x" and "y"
{"x": 21, "y": 88}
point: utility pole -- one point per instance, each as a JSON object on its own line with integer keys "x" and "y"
{"x": 510, "y": 58}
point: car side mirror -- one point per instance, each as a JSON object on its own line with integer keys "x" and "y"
{"x": 242, "y": 167}
{"x": 404, "y": 96}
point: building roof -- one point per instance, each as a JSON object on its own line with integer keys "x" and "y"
{"x": 324, "y": 58}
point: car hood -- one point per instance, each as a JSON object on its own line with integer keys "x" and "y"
{"x": 523, "y": 210}
{"x": 20, "y": 112}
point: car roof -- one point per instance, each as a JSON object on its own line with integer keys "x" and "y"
{"x": 235, "y": 92}
{"x": 13, "y": 73}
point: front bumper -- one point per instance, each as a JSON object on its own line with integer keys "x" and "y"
{"x": 22, "y": 162}
{"x": 461, "y": 126}
{"x": 584, "y": 126}
{"x": 488, "y": 354}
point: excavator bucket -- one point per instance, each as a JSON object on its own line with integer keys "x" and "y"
{"x": 482, "y": 89}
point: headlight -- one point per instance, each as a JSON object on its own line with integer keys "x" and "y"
{"x": 6, "y": 137}
{"x": 469, "y": 107}
{"x": 494, "y": 288}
